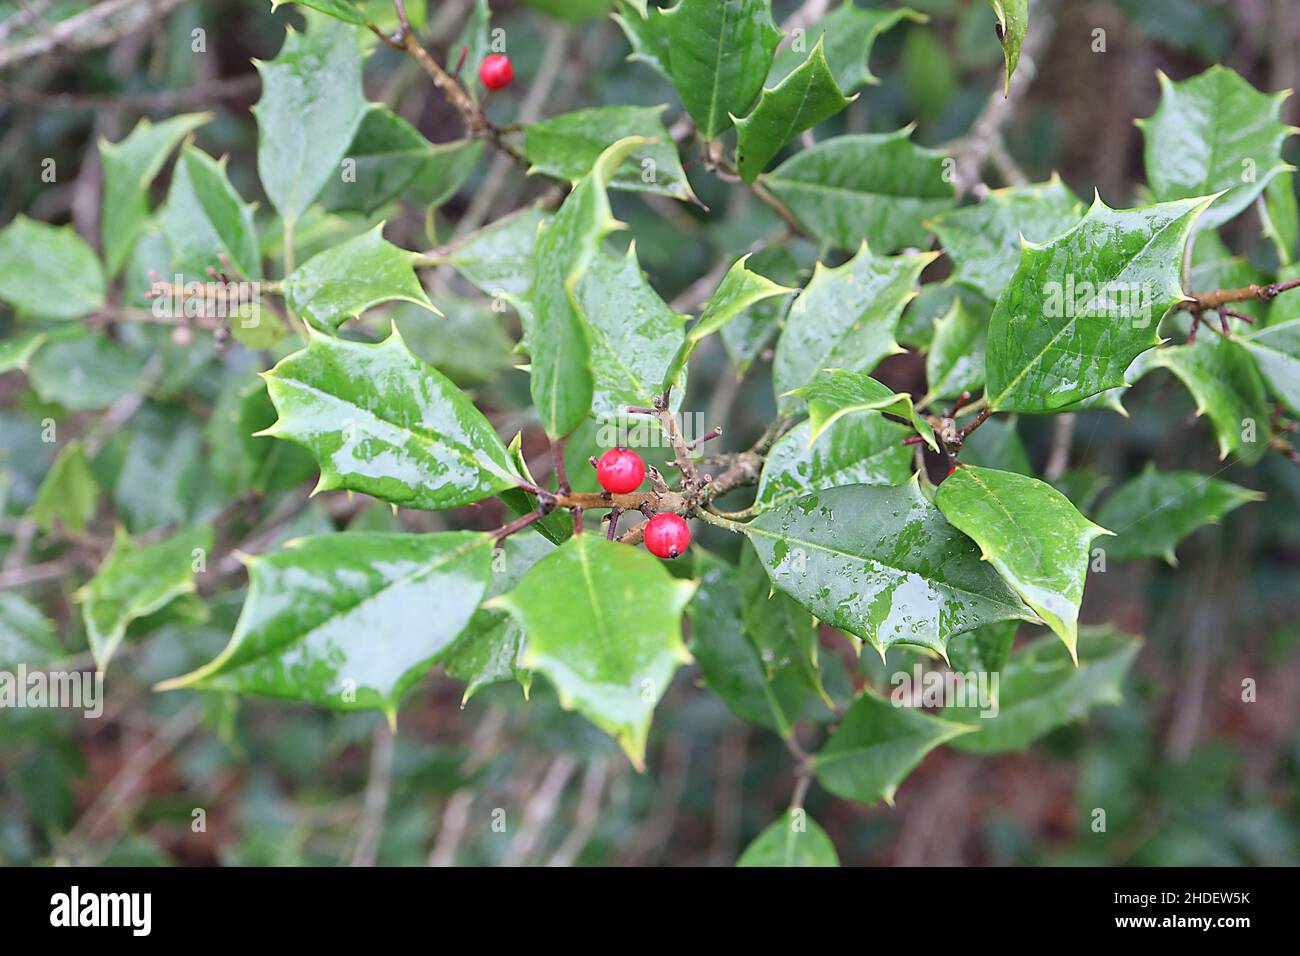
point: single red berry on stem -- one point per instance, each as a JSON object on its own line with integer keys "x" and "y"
{"x": 620, "y": 470}
{"x": 496, "y": 71}
{"x": 667, "y": 535}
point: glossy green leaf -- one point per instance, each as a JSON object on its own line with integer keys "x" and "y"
{"x": 783, "y": 632}
{"x": 719, "y": 52}
{"x": 346, "y": 280}
{"x": 562, "y": 381}
{"x": 381, "y": 421}
{"x": 351, "y": 620}
{"x": 344, "y": 10}
{"x": 1214, "y": 266}
{"x": 136, "y": 580}
{"x": 567, "y": 147}
{"x": 1084, "y": 305}
{"x": 876, "y": 746}
{"x": 746, "y": 335}
{"x": 740, "y": 289}
{"x": 603, "y": 625}
{"x": 1041, "y": 689}
{"x": 794, "y": 839}
{"x": 556, "y": 527}
{"x": 1226, "y": 384}
{"x": 729, "y": 660}
{"x": 1151, "y": 513}
{"x": 846, "y": 317}
{"x": 445, "y": 169}
{"x": 204, "y": 218}
{"x": 883, "y": 564}
{"x": 48, "y": 271}
{"x": 984, "y": 240}
{"x": 1214, "y": 132}
{"x": 847, "y": 33}
{"x": 498, "y": 260}
{"x": 646, "y": 31}
{"x": 799, "y": 102}
{"x": 129, "y": 167}
{"x": 863, "y": 449}
{"x": 163, "y": 478}
{"x": 837, "y": 392}
{"x": 311, "y": 106}
{"x": 955, "y": 361}
{"x": 632, "y": 332}
{"x": 876, "y": 188}
{"x": 242, "y": 459}
{"x": 26, "y": 635}
{"x": 68, "y": 495}
{"x": 1013, "y": 24}
{"x": 1276, "y": 349}
{"x": 1029, "y": 532}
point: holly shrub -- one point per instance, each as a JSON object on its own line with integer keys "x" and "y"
{"x": 333, "y": 425}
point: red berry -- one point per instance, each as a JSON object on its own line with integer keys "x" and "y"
{"x": 496, "y": 71}
{"x": 620, "y": 470}
{"x": 667, "y": 535}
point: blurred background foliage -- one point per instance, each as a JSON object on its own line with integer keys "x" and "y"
{"x": 1187, "y": 774}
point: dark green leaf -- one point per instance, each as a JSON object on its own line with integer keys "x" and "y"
{"x": 344, "y": 10}
{"x": 498, "y": 260}
{"x": 955, "y": 361}
{"x": 794, "y": 839}
{"x": 1013, "y": 24}
{"x": 864, "y": 449}
{"x": 848, "y": 33}
{"x": 68, "y": 494}
{"x": 784, "y": 633}
{"x": 26, "y": 635}
{"x": 883, "y": 564}
{"x": 48, "y": 271}
{"x": 1084, "y": 305}
{"x": 1276, "y": 349}
{"x": 876, "y": 188}
{"x": 1152, "y": 513}
{"x": 836, "y": 393}
{"x": 205, "y": 218}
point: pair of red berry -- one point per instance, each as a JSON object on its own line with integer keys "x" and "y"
{"x": 620, "y": 471}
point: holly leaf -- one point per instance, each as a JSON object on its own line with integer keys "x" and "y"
{"x": 1029, "y": 532}
{"x": 16, "y": 352}
{"x": 794, "y": 839}
{"x": 785, "y": 634}
{"x": 346, "y": 280}
{"x": 748, "y": 333}
{"x": 837, "y": 392}
{"x": 719, "y": 54}
{"x": 740, "y": 289}
{"x": 1279, "y": 216}
{"x": 955, "y": 362}
{"x": 1084, "y": 305}
{"x": 489, "y": 649}
{"x": 877, "y": 188}
{"x": 1226, "y": 385}
{"x": 729, "y": 661}
{"x": 865, "y": 449}
{"x": 204, "y": 218}
{"x": 984, "y": 240}
{"x": 350, "y": 620}
{"x": 603, "y": 625}
{"x": 847, "y": 33}
{"x": 876, "y": 746}
{"x": 309, "y": 112}
{"x": 562, "y": 381}
{"x": 134, "y": 581}
{"x": 799, "y": 102}
{"x": 646, "y": 31}
{"x": 882, "y": 564}
{"x": 1152, "y": 513}
{"x": 242, "y": 458}
{"x": 26, "y": 635}
{"x": 48, "y": 271}
{"x": 1041, "y": 689}
{"x": 68, "y": 494}
{"x": 1276, "y": 349}
{"x": 1214, "y": 133}
{"x": 498, "y": 260}
{"x": 129, "y": 167}
{"x": 632, "y": 332}
{"x": 846, "y": 317}
{"x": 1013, "y": 24}
{"x": 984, "y": 650}
{"x": 381, "y": 421}
{"x": 567, "y": 147}
{"x": 476, "y": 41}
